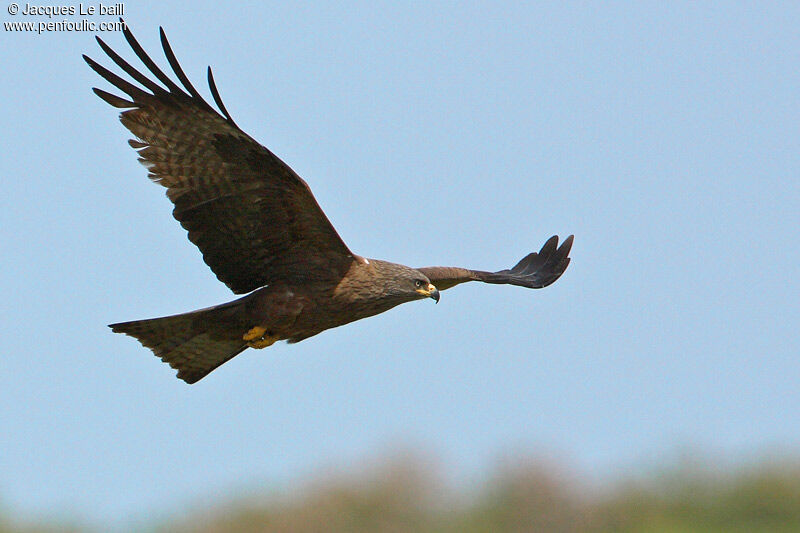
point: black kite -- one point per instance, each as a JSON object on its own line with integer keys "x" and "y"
{"x": 261, "y": 231}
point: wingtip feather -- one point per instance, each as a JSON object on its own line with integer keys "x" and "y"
{"x": 113, "y": 100}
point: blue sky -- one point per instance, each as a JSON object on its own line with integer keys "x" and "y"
{"x": 665, "y": 136}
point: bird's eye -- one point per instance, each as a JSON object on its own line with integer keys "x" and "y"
{"x": 418, "y": 283}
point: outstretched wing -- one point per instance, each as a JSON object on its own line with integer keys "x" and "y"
{"x": 534, "y": 271}
{"x": 254, "y": 220}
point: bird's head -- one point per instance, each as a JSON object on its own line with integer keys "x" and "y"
{"x": 406, "y": 283}
{"x": 426, "y": 289}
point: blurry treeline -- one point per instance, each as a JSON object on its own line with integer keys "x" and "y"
{"x": 407, "y": 493}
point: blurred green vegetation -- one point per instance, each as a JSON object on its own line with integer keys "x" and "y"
{"x": 407, "y": 493}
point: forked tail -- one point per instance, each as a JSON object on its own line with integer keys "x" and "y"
{"x": 194, "y": 343}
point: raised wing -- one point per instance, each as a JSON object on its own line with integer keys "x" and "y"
{"x": 534, "y": 271}
{"x": 254, "y": 220}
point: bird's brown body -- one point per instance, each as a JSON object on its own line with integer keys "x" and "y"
{"x": 294, "y": 313}
{"x": 261, "y": 231}
{"x": 290, "y": 312}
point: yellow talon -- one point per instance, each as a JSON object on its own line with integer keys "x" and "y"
{"x": 255, "y": 333}
{"x": 263, "y": 342}
{"x": 257, "y": 338}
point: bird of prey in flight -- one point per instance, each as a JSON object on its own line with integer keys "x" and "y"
{"x": 260, "y": 230}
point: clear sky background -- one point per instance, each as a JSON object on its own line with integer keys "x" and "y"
{"x": 664, "y": 135}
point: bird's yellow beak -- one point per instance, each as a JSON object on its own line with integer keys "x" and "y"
{"x": 430, "y": 292}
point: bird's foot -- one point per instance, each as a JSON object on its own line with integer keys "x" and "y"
{"x": 263, "y": 342}
{"x": 258, "y": 338}
{"x": 255, "y": 333}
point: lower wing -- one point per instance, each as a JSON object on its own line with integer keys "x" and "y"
{"x": 534, "y": 271}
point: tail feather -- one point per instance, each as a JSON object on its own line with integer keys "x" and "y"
{"x": 189, "y": 342}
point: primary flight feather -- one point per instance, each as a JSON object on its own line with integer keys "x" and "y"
{"x": 260, "y": 230}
